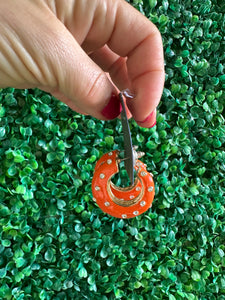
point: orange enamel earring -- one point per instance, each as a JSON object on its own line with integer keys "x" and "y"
{"x": 121, "y": 202}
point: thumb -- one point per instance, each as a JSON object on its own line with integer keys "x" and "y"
{"x": 81, "y": 84}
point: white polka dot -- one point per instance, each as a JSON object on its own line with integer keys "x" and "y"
{"x": 142, "y": 203}
{"x": 150, "y": 189}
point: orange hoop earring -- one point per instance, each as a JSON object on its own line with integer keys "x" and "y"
{"x": 121, "y": 202}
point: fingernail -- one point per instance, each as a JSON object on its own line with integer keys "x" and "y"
{"x": 113, "y": 108}
{"x": 152, "y": 125}
{"x": 146, "y": 119}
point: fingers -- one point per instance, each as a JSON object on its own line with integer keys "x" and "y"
{"x": 50, "y": 55}
{"x": 79, "y": 82}
{"x": 145, "y": 63}
{"x": 132, "y": 52}
{"x": 136, "y": 63}
{"x": 149, "y": 121}
{"x": 114, "y": 64}
{"x": 82, "y": 81}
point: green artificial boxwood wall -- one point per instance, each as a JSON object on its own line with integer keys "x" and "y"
{"x": 55, "y": 243}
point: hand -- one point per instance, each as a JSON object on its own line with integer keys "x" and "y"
{"x": 67, "y": 48}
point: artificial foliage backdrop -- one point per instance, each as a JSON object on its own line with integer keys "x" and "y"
{"x": 55, "y": 243}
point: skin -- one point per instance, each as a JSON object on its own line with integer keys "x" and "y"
{"x": 82, "y": 51}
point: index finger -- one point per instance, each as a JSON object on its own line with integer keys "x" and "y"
{"x": 138, "y": 39}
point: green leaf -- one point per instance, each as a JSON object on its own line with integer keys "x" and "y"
{"x": 109, "y": 141}
{"x": 4, "y": 211}
{"x": 140, "y": 138}
{"x": 12, "y": 170}
{"x": 171, "y": 263}
{"x": 2, "y": 132}
{"x": 220, "y": 252}
{"x": 6, "y": 243}
{"x": 104, "y": 253}
{"x": 82, "y": 273}
{"x": 20, "y": 261}
{"x": 222, "y": 78}
{"x": 49, "y": 255}
{"x": 137, "y": 285}
{"x": 26, "y": 131}
{"x": 20, "y": 189}
{"x": 61, "y": 204}
{"x": 3, "y": 272}
{"x": 195, "y": 275}
{"x": 91, "y": 279}
{"x": 151, "y": 145}
{"x": 48, "y": 284}
{"x": 18, "y": 158}
{"x": 19, "y": 276}
{"x": 28, "y": 195}
{"x": 51, "y": 157}
{"x": 173, "y": 277}
{"x": 91, "y": 124}
{"x": 152, "y": 3}
{"x": 118, "y": 293}
{"x": 2, "y": 111}
{"x": 187, "y": 150}
{"x": 194, "y": 190}
{"x": 110, "y": 261}
{"x": 163, "y": 20}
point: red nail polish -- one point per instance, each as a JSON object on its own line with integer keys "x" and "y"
{"x": 147, "y": 118}
{"x": 152, "y": 125}
{"x": 113, "y": 108}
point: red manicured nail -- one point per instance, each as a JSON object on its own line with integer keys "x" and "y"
{"x": 113, "y": 108}
{"x": 146, "y": 119}
{"x": 152, "y": 125}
